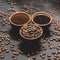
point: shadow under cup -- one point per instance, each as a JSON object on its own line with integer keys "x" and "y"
{"x": 44, "y": 19}
{"x": 17, "y": 20}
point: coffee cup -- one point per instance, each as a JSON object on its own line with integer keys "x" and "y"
{"x": 17, "y": 20}
{"x": 43, "y": 19}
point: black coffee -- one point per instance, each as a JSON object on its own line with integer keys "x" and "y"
{"x": 20, "y": 18}
{"x": 41, "y": 19}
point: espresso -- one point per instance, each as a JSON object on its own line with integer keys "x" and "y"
{"x": 41, "y": 19}
{"x": 19, "y": 18}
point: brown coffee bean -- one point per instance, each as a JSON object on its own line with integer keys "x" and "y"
{"x": 2, "y": 56}
{"x": 15, "y": 58}
{"x": 29, "y": 58}
{"x": 43, "y": 53}
{"x": 12, "y": 46}
{"x": 49, "y": 58}
{"x": 48, "y": 55}
{"x": 58, "y": 48}
{"x": 33, "y": 57}
{"x": 6, "y": 48}
{"x": 7, "y": 51}
{"x": 2, "y": 49}
{"x": 12, "y": 49}
{"x": 59, "y": 52}
{"x": 43, "y": 57}
{"x": 15, "y": 53}
{"x": 57, "y": 56}
{"x": 19, "y": 51}
{"x": 28, "y": 55}
{"x": 53, "y": 52}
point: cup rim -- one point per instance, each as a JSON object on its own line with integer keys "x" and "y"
{"x": 31, "y": 38}
{"x": 42, "y": 13}
{"x": 18, "y": 24}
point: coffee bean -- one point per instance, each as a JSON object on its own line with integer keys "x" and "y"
{"x": 34, "y": 57}
{"x": 14, "y": 53}
{"x": 48, "y": 55}
{"x": 2, "y": 56}
{"x": 7, "y": 51}
{"x": 43, "y": 57}
{"x": 15, "y": 58}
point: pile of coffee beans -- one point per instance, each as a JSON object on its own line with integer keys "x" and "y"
{"x": 31, "y": 31}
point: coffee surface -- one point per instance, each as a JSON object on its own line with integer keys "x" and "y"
{"x": 41, "y": 19}
{"x": 20, "y": 18}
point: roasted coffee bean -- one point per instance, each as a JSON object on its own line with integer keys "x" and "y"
{"x": 2, "y": 56}
{"x": 34, "y": 57}
{"x": 15, "y": 58}
{"x": 7, "y": 51}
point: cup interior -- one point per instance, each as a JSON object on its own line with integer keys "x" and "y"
{"x": 42, "y": 18}
{"x": 19, "y": 18}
